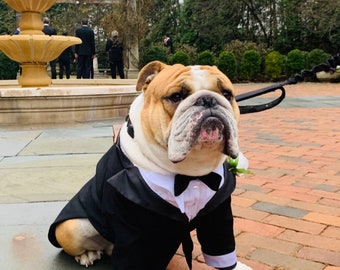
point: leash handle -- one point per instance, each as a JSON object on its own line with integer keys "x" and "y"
{"x": 266, "y": 106}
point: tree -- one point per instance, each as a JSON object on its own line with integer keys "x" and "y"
{"x": 209, "y": 25}
{"x": 7, "y": 18}
{"x": 321, "y": 25}
{"x": 66, "y": 17}
{"x": 289, "y": 30}
{"x": 307, "y": 25}
{"x": 8, "y": 68}
{"x": 131, "y": 20}
{"x": 259, "y": 22}
{"x": 163, "y": 18}
{"x": 282, "y": 25}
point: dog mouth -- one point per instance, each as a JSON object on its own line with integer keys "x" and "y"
{"x": 210, "y": 131}
{"x": 207, "y": 128}
{"x": 217, "y": 129}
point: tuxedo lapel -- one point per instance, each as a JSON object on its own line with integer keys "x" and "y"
{"x": 130, "y": 184}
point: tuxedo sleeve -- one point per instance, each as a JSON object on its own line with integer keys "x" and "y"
{"x": 216, "y": 235}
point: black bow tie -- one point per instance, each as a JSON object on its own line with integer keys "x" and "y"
{"x": 212, "y": 180}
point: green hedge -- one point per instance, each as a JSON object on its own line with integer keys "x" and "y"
{"x": 206, "y": 58}
{"x": 240, "y": 60}
{"x": 226, "y": 62}
{"x": 154, "y": 53}
{"x": 8, "y": 68}
{"x": 190, "y": 51}
{"x": 180, "y": 57}
{"x": 316, "y": 57}
{"x": 250, "y": 67}
{"x": 295, "y": 62}
{"x": 274, "y": 65}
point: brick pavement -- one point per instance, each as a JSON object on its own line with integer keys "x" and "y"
{"x": 287, "y": 213}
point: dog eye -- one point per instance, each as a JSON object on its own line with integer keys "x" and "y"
{"x": 175, "y": 98}
{"x": 227, "y": 94}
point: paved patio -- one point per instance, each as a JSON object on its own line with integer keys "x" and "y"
{"x": 287, "y": 213}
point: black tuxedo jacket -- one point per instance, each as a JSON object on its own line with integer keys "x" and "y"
{"x": 145, "y": 229}
{"x": 87, "y": 47}
{"x": 49, "y": 30}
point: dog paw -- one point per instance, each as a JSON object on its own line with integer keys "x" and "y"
{"x": 88, "y": 257}
{"x": 242, "y": 266}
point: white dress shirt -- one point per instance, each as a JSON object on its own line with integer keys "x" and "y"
{"x": 193, "y": 198}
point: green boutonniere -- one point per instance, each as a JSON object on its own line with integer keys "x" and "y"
{"x": 233, "y": 167}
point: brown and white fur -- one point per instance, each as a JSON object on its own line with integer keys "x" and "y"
{"x": 169, "y": 136}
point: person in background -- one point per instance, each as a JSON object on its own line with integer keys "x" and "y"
{"x": 85, "y": 52}
{"x": 92, "y": 70}
{"x": 168, "y": 43}
{"x": 65, "y": 59}
{"x": 49, "y": 30}
{"x": 17, "y": 31}
{"x": 115, "y": 49}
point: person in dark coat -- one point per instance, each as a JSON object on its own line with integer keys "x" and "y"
{"x": 85, "y": 52}
{"x": 115, "y": 49}
{"x": 49, "y": 30}
{"x": 168, "y": 43}
{"x": 65, "y": 61}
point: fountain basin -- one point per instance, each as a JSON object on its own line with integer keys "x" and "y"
{"x": 65, "y": 101}
{"x": 38, "y": 6}
{"x": 35, "y": 48}
{"x": 33, "y": 52}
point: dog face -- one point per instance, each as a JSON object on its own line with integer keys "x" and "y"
{"x": 186, "y": 119}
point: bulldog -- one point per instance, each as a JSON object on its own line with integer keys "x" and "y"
{"x": 165, "y": 176}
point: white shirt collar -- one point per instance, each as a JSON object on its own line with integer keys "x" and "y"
{"x": 191, "y": 201}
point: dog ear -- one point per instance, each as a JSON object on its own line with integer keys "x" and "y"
{"x": 147, "y": 73}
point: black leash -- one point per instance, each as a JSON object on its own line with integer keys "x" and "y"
{"x": 329, "y": 66}
{"x": 258, "y": 108}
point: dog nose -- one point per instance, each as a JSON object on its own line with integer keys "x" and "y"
{"x": 206, "y": 101}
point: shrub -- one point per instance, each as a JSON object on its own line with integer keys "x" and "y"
{"x": 274, "y": 64}
{"x": 206, "y": 58}
{"x": 295, "y": 62}
{"x": 8, "y": 68}
{"x": 316, "y": 57}
{"x": 180, "y": 57}
{"x": 238, "y": 48}
{"x": 154, "y": 53}
{"x": 190, "y": 51}
{"x": 250, "y": 65}
{"x": 227, "y": 63}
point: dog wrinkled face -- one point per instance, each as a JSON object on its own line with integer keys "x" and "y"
{"x": 203, "y": 120}
{"x": 189, "y": 109}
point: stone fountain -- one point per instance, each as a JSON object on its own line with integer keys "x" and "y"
{"x": 38, "y": 99}
{"x": 32, "y": 48}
